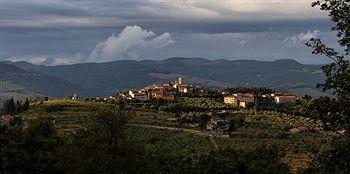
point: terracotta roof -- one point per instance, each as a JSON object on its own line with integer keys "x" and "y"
{"x": 7, "y": 118}
{"x": 287, "y": 97}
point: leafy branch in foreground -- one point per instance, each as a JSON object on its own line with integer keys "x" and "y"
{"x": 336, "y": 158}
{"x": 338, "y": 72}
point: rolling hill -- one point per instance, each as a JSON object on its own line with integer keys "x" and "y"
{"x": 108, "y": 78}
{"x": 19, "y": 83}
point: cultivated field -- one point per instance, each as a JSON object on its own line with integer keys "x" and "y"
{"x": 261, "y": 129}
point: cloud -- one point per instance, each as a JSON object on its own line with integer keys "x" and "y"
{"x": 54, "y": 21}
{"x": 130, "y": 43}
{"x": 31, "y": 59}
{"x": 302, "y": 37}
{"x": 265, "y": 46}
{"x": 228, "y": 10}
{"x": 87, "y": 13}
{"x": 49, "y": 60}
{"x": 231, "y": 46}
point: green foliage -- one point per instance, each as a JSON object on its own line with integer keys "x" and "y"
{"x": 53, "y": 108}
{"x": 19, "y": 107}
{"x": 252, "y": 89}
{"x": 327, "y": 109}
{"x": 336, "y": 159}
{"x": 195, "y": 105}
{"x": 100, "y": 148}
{"x": 264, "y": 103}
{"x": 12, "y": 107}
{"x": 236, "y": 121}
{"x": 337, "y": 73}
{"x": 26, "y": 105}
{"x": 9, "y": 107}
{"x": 32, "y": 150}
{"x": 232, "y": 126}
{"x": 223, "y": 161}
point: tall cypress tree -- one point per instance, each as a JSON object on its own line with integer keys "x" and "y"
{"x": 12, "y": 106}
{"x": 5, "y": 107}
{"x": 26, "y": 105}
{"x": 19, "y": 108}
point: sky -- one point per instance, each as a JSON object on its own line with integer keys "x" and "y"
{"x": 54, "y": 32}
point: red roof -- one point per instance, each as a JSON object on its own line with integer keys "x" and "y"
{"x": 287, "y": 97}
{"x": 7, "y": 118}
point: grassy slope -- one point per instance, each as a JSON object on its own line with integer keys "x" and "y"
{"x": 262, "y": 129}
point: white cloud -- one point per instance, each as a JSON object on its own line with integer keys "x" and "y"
{"x": 302, "y": 37}
{"x": 48, "y": 60}
{"x": 31, "y": 59}
{"x": 129, "y": 44}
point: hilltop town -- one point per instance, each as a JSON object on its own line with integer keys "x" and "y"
{"x": 185, "y": 101}
{"x": 179, "y": 99}
{"x": 177, "y": 89}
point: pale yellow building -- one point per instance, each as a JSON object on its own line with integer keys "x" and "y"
{"x": 232, "y": 100}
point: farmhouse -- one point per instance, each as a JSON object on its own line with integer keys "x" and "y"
{"x": 286, "y": 99}
{"x": 232, "y": 100}
{"x": 141, "y": 96}
{"x": 244, "y": 99}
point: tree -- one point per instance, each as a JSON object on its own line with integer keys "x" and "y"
{"x": 19, "y": 108}
{"x": 264, "y": 103}
{"x": 4, "y": 139}
{"x": 232, "y": 126}
{"x": 338, "y": 72}
{"x": 336, "y": 159}
{"x": 257, "y": 161}
{"x": 9, "y": 107}
{"x": 31, "y": 150}
{"x": 204, "y": 118}
{"x": 46, "y": 99}
{"x": 102, "y": 147}
{"x": 26, "y": 105}
{"x": 333, "y": 160}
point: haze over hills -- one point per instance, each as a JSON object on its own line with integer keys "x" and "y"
{"x": 97, "y": 79}
{"x": 19, "y": 83}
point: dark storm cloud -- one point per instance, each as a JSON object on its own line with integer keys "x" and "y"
{"x": 104, "y": 13}
{"x": 69, "y": 30}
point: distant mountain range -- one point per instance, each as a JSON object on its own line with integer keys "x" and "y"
{"x": 17, "y": 82}
{"x": 99, "y": 79}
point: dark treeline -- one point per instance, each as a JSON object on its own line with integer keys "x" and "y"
{"x": 102, "y": 147}
{"x": 12, "y": 107}
{"x": 249, "y": 89}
